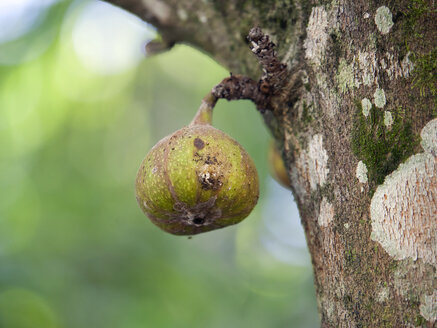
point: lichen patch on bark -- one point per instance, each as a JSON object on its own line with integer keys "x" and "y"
{"x": 317, "y": 35}
{"x": 429, "y": 137}
{"x": 202, "y": 17}
{"x": 367, "y": 64}
{"x": 311, "y": 169}
{"x": 383, "y": 19}
{"x": 317, "y": 160}
{"x": 428, "y": 307}
{"x": 345, "y": 76}
{"x": 326, "y": 213}
{"x": 333, "y": 310}
{"x": 361, "y": 172}
{"x": 388, "y": 119}
{"x": 366, "y": 69}
{"x": 182, "y": 14}
{"x": 404, "y": 208}
{"x": 379, "y": 98}
{"x": 366, "y": 105}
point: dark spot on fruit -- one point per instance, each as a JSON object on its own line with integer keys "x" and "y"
{"x": 199, "y": 143}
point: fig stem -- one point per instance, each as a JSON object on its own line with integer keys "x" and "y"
{"x": 242, "y": 87}
{"x": 204, "y": 113}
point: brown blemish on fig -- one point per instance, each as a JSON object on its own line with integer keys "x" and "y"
{"x": 211, "y": 160}
{"x": 197, "y": 157}
{"x": 210, "y": 180}
{"x": 198, "y": 143}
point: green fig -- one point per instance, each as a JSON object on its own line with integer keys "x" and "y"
{"x": 197, "y": 179}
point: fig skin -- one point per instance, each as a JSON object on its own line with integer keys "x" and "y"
{"x": 196, "y": 180}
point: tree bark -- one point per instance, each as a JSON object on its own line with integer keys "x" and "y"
{"x": 358, "y": 136}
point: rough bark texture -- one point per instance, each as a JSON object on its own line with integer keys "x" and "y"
{"x": 357, "y": 134}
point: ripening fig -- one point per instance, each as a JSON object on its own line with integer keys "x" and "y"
{"x": 277, "y": 167}
{"x": 197, "y": 179}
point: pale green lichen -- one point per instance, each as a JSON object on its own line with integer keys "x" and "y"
{"x": 326, "y": 213}
{"x": 379, "y": 98}
{"x": 345, "y": 76}
{"x": 367, "y": 105}
{"x": 405, "y": 226}
{"x": 318, "y": 161}
{"x": 429, "y": 137}
{"x": 361, "y": 172}
{"x": 383, "y": 19}
{"x": 202, "y": 18}
{"x": 312, "y": 163}
{"x": 368, "y": 66}
{"x": 182, "y": 14}
{"x": 388, "y": 119}
{"x": 317, "y": 36}
{"x": 428, "y": 307}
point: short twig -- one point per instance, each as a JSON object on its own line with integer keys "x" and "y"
{"x": 272, "y": 81}
{"x": 274, "y": 72}
{"x": 241, "y": 87}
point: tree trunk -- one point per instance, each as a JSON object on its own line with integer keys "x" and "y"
{"x": 357, "y": 133}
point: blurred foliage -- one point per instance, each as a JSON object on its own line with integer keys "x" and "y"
{"x": 75, "y": 249}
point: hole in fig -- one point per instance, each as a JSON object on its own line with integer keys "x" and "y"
{"x": 198, "y": 221}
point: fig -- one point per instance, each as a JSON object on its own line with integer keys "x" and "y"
{"x": 277, "y": 167}
{"x": 197, "y": 179}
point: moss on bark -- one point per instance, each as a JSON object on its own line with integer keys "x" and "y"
{"x": 380, "y": 147}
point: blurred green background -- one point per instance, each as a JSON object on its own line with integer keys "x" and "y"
{"x": 80, "y": 106}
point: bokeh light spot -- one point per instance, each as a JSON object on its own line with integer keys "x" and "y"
{"x": 17, "y": 17}
{"x": 108, "y": 40}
